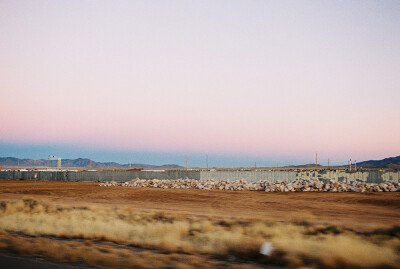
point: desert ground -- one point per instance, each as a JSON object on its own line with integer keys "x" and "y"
{"x": 350, "y": 209}
{"x": 119, "y": 227}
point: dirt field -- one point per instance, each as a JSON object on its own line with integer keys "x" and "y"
{"x": 79, "y": 224}
{"x": 357, "y": 210}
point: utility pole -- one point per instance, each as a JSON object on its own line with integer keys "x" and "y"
{"x": 350, "y": 165}
{"x": 329, "y": 168}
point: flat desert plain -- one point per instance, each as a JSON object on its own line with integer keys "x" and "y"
{"x": 120, "y": 227}
{"x": 350, "y": 209}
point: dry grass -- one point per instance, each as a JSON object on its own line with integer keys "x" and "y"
{"x": 202, "y": 239}
{"x": 104, "y": 256}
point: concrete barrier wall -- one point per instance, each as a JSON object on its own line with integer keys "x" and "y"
{"x": 273, "y": 176}
{"x": 122, "y": 176}
{"x": 365, "y": 176}
{"x": 119, "y": 176}
{"x": 42, "y": 175}
{"x": 250, "y": 176}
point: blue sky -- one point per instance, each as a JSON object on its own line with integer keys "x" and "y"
{"x": 244, "y": 81}
{"x": 149, "y": 157}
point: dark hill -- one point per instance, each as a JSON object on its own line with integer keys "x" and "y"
{"x": 389, "y": 163}
{"x": 78, "y": 163}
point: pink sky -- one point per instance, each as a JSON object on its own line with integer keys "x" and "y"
{"x": 284, "y": 78}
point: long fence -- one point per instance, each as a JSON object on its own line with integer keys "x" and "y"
{"x": 250, "y": 176}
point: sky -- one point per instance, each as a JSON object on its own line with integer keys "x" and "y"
{"x": 270, "y": 82}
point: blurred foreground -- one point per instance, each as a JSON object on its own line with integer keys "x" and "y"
{"x": 110, "y": 227}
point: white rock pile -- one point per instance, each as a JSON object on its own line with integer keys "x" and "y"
{"x": 262, "y": 185}
{"x": 331, "y": 186}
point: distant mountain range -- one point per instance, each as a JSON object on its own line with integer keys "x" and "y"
{"x": 388, "y": 163}
{"x": 75, "y": 163}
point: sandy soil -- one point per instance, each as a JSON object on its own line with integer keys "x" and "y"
{"x": 358, "y": 210}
